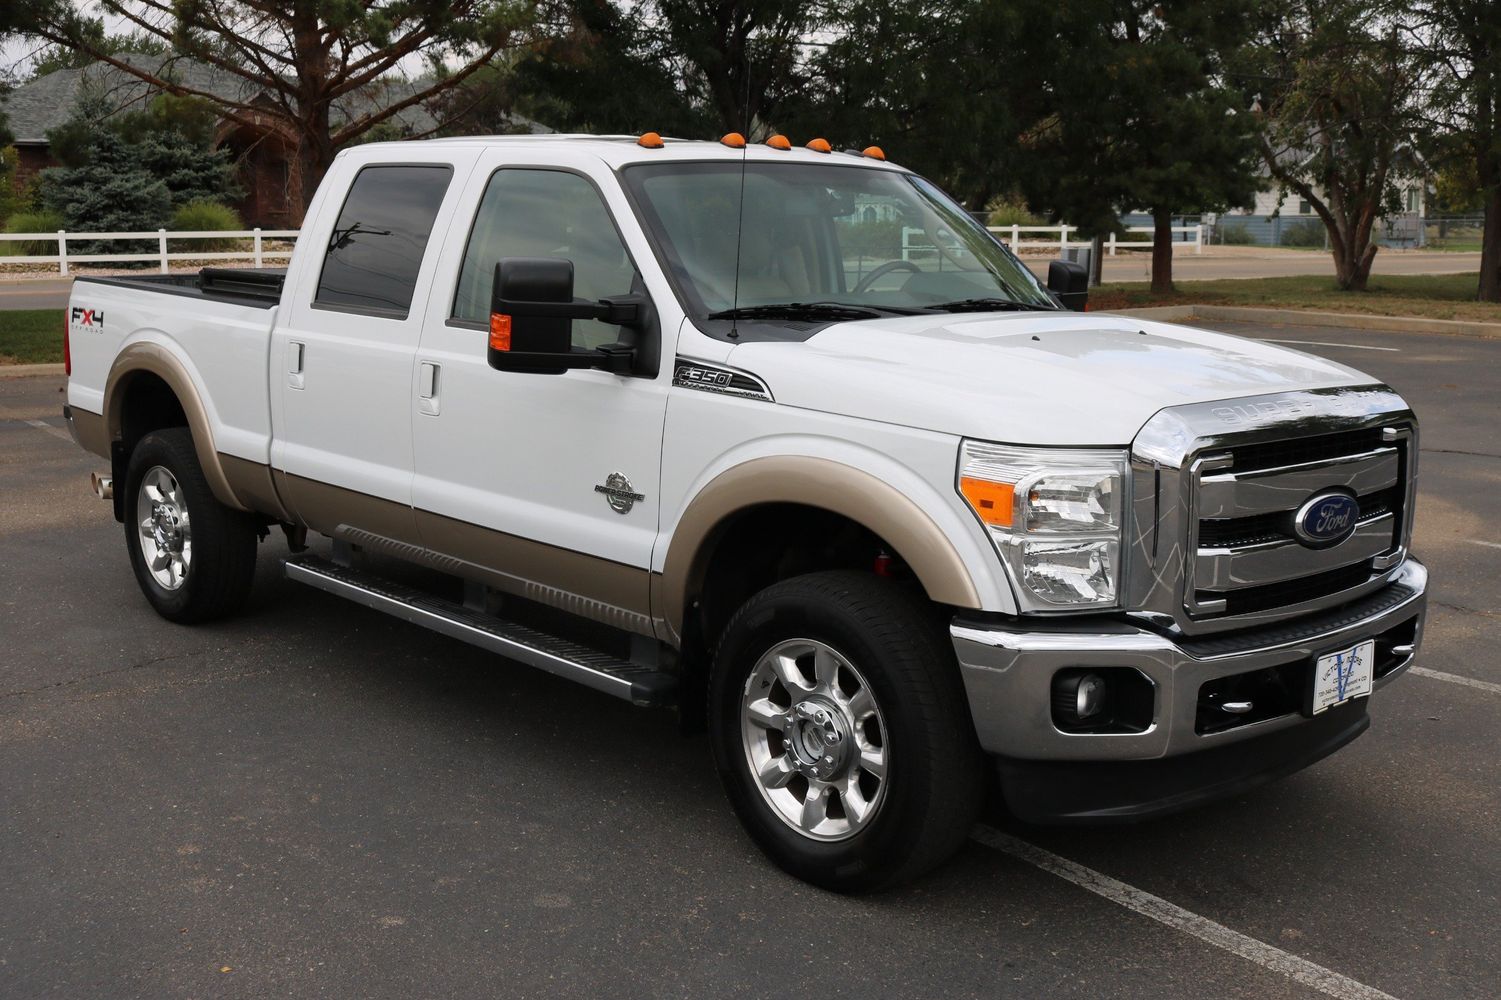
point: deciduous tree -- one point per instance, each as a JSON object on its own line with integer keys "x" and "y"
{"x": 1144, "y": 118}
{"x": 1340, "y": 87}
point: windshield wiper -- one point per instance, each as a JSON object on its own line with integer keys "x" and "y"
{"x": 987, "y": 305}
{"x": 799, "y": 310}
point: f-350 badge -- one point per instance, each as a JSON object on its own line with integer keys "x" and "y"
{"x": 617, "y": 490}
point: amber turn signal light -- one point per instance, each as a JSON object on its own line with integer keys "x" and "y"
{"x": 779, "y": 142}
{"x": 500, "y": 332}
{"x": 820, "y": 146}
{"x": 991, "y": 501}
{"x": 650, "y": 140}
{"x": 733, "y": 139}
{"x": 874, "y": 152}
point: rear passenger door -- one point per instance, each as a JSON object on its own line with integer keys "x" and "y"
{"x": 342, "y": 356}
{"x": 512, "y": 467}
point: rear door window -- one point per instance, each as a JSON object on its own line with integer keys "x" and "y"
{"x": 376, "y": 247}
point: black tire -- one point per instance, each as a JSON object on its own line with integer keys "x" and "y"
{"x": 223, "y": 541}
{"x": 935, "y": 778}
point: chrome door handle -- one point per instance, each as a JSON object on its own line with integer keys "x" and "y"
{"x": 295, "y": 352}
{"x": 427, "y": 388}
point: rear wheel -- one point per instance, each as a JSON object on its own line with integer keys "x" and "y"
{"x": 841, "y": 731}
{"x": 193, "y": 557}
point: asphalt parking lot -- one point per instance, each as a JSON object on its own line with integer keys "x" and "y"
{"x": 315, "y": 800}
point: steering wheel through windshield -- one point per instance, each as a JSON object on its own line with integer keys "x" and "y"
{"x": 863, "y": 285}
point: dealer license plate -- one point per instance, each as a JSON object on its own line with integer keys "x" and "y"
{"x": 1341, "y": 676}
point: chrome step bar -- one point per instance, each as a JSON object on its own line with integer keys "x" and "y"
{"x": 634, "y": 683}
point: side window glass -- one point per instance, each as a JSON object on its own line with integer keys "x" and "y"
{"x": 545, "y": 213}
{"x": 376, "y": 247}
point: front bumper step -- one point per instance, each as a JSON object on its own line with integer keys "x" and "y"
{"x": 632, "y": 682}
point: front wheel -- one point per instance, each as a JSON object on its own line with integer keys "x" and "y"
{"x": 841, "y": 731}
{"x": 193, "y": 557}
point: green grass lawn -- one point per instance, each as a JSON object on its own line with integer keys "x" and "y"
{"x": 31, "y": 336}
{"x": 1438, "y": 296}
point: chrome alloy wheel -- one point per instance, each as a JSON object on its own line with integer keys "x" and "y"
{"x": 814, "y": 739}
{"x": 166, "y": 532}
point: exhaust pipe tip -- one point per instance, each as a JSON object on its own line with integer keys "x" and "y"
{"x": 104, "y": 486}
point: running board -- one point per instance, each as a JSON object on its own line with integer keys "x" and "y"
{"x": 600, "y": 671}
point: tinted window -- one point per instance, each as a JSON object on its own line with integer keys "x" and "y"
{"x": 821, "y": 232}
{"x": 546, "y": 213}
{"x": 376, "y": 247}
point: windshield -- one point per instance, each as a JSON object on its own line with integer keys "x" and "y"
{"x": 879, "y": 240}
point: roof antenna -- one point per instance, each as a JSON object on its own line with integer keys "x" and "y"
{"x": 740, "y": 221}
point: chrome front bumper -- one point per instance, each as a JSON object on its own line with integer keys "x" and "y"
{"x": 1008, "y": 672}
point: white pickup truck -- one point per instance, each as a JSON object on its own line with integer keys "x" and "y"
{"x": 780, "y": 437}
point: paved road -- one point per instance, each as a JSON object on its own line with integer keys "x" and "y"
{"x": 46, "y": 293}
{"x": 326, "y": 802}
{"x": 35, "y": 293}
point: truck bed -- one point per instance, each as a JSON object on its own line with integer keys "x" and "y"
{"x": 213, "y": 327}
{"x": 259, "y": 287}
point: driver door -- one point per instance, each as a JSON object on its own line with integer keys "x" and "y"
{"x": 510, "y": 466}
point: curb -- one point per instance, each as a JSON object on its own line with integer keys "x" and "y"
{"x": 1309, "y": 317}
{"x": 29, "y": 371}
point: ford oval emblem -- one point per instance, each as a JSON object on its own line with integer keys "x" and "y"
{"x": 1326, "y": 519}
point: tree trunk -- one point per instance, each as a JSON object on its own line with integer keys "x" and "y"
{"x": 1162, "y": 251}
{"x": 314, "y": 155}
{"x": 1354, "y": 253}
{"x": 1490, "y": 248}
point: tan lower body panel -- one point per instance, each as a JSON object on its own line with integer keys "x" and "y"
{"x": 580, "y": 584}
{"x": 253, "y": 486}
{"x": 585, "y": 585}
{"x": 92, "y": 431}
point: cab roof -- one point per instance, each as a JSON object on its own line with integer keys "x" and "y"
{"x": 620, "y": 150}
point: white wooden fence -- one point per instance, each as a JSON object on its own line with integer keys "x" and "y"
{"x": 1012, "y": 237}
{"x": 257, "y": 252}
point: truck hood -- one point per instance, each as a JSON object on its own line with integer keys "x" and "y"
{"x": 1033, "y": 378}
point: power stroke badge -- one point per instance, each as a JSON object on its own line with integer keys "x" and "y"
{"x": 617, "y": 490}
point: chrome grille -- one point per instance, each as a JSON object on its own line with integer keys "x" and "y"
{"x": 1217, "y": 488}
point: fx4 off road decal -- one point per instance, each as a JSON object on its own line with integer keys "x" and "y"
{"x": 80, "y": 316}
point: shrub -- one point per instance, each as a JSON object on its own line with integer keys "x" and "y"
{"x": 1303, "y": 233}
{"x": 32, "y": 222}
{"x": 1236, "y": 234}
{"x": 107, "y": 194}
{"x": 204, "y": 216}
{"x": 1012, "y": 212}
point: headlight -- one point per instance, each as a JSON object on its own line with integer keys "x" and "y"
{"x": 1055, "y": 516}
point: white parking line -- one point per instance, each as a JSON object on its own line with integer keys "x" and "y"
{"x": 39, "y": 425}
{"x": 1156, "y": 908}
{"x": 54, "y": 431}
{"x": 1439, "y": 675}
{"x": 1476, "y": 541}
{"x": 1326, "y": 343}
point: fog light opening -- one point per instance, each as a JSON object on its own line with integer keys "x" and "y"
{"x": 1103, "y": 700}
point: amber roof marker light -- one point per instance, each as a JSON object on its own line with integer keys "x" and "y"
{"x": 734, "y": 140}
{"x": 874, "y": 152}
{"x": 820, "y": 146}
{"x": 650, "y": 140}
{"x": 779, "y": 142}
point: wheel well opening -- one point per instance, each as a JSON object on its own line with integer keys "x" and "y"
{"x": 761, "y": 545}
{"x": 149, "y": 405}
